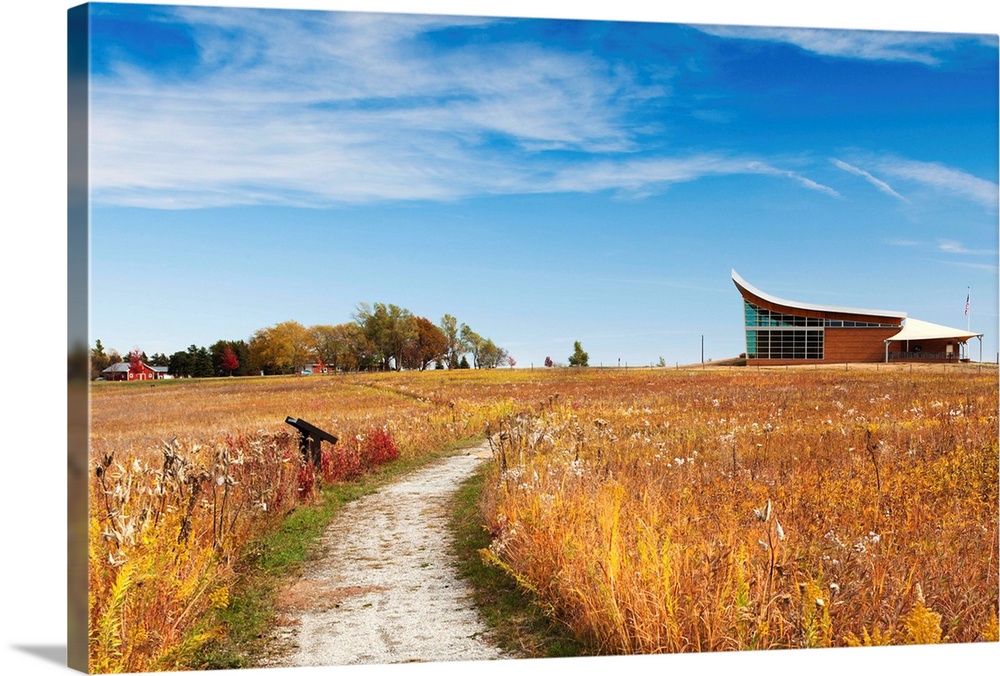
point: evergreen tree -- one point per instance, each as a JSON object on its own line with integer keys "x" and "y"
{"x": 180, "y": 364}
{"x": 159, "y": 359}
{"x": 202, "y": 364}
{"x": 579, "y": 357}
{"x": 98, "y": 360}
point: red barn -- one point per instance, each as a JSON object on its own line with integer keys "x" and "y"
{"x": 123, "y": 371}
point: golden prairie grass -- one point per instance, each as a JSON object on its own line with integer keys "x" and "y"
{"x": 759, "y": 510}
{"x": 184, "y": 475}
{"x": 649, "y": 510}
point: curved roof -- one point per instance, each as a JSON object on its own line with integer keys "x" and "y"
{"x": 744, "y": 285}
{"x": 916, "y": 329}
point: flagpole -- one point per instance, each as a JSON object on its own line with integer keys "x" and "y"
{"x": 968, "y": 317}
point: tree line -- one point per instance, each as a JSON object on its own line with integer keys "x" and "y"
{"x": 380, "y": 337}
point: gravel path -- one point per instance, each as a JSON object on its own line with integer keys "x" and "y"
{"x": 383, "y": 589}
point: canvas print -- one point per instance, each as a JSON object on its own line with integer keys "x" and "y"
{"x": 423, "y": 338}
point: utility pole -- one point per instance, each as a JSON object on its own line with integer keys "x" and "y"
{"x": 703, "y": 349}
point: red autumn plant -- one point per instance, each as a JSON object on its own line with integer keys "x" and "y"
{"x": 135, "y": 360}
{"x": 306, "y": 479}
{"x": 358, "y": 455}
{"x": 169, "y": 520}
{"x": 230, "y": 362}
{"x": 379, "y": 447}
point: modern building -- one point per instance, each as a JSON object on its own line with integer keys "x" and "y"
{"x": 780, "y": 331}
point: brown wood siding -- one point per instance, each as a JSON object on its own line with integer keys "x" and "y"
{"x": 841, "y": 344}
{"x": 789, "y": 362}
{"x": 853, "y": 344}
{"x": 895, "y": 321}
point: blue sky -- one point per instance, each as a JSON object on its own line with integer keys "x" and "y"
{"x": 916, "y": 256}
{"x": 542, "y": 180}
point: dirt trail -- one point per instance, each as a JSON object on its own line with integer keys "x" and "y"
{"x": 383, "y": 589}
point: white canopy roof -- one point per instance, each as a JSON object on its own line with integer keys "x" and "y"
{"x": 916, "y": 329}
{"x": 747, "y": 286}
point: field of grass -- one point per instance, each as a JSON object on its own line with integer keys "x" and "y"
{"x": 188, "y": 477}
{"x": 653, "y": 510}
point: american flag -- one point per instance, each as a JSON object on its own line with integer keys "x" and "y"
{"x": 967, "y": 299}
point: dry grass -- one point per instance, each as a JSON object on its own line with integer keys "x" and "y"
{"x": 756, "y": 510}
{"x": 651, "y": 510}
{"x": 184, "y": 475}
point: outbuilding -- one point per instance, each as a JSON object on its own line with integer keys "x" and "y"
{"x": 124, "y": 371}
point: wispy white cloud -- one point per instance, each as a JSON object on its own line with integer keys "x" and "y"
{"x": 986, "y": 267}
{"x": 798, "y": 178}
{"x": 952, "y": 247}
{"x": 644, "y": 176}
{"x": 312, "y": 108}
{"x": 926, "y": 48}
{"x": 857, "y": 171}
{"x": 941, "y": 178}
{"x": 946, "y": 246}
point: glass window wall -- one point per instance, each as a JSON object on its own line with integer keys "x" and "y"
{"x": 775, "y": 335}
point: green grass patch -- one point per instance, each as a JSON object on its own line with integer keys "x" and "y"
{"x": 264, "y": 566}
{"x": 270, "y": 561}
{"x": 516, "y": 623}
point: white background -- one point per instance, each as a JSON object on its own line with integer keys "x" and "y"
{"x": 33, "y": 265}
